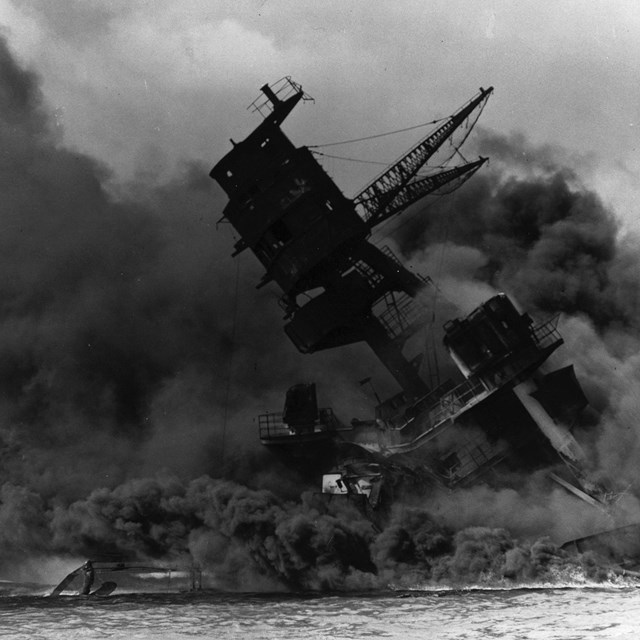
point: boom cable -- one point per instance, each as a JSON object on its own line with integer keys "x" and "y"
{"x": 327, "y": 155}
{"x": 377, "y": 135}
{"x": 378, "y": 162}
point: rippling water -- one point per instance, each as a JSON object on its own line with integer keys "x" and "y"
{"x": 519, "y": 613}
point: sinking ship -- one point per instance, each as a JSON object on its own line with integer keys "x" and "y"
{"x": 508, "y": 411}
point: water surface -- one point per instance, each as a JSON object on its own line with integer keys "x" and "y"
{"x": 576, "y": 613}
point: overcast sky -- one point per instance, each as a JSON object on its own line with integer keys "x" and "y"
{"x": 141, "y": 84}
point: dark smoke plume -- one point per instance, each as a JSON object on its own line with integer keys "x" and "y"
{"x": 118, "y": 342}
{"x": 542, "y": 236}
{"x": 131, "y": 343}
{"x": 128, "y": 345}
{"x": 249, "y": 539}
{"x": 529, "y": 227}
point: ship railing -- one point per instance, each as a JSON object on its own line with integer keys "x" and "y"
{"x": 448, "y": 405}
{"x": 283, "y": 89}
{"x": 474, "y": 453}
{"x": 459, "y": 398}
{"x": 401, "y": 314}
{"x": 271, "y": 425}
{"x": 546, "y": 338}
{"x": 547, "y": 334}
{"x": 471, "y": 391}
{"x": 386, "y": 249}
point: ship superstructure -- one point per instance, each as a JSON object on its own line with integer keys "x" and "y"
{"x": 338, "y": 288}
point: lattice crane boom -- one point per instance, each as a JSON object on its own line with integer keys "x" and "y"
{"x": 373, "y": 200}
{"x": 421, "y": 187}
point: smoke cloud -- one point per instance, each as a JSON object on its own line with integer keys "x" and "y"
{"x": 528, "y": 226}
{"x": 119, "y": 341}
{"x": 133, "y": 359}
{"x": 249, "y": 539}
{"x": 538, "y": 234}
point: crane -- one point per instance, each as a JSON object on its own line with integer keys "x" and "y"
{"x": 400, "y": 185}
{"x": 338, "y": 288}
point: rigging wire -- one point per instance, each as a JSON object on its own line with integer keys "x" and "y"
{"x": 430, "y": 344}
{"x": 440, "y": 260}
{"x": 384, "y": 164}
{"x": 442, "y": 191}
{"x": 470, "y": 124}
{"x": 327, "y": 155}
{"x": 377, "y": 135}
{"x": 436, "y": 291}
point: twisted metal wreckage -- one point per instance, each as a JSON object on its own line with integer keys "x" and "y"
{"x": 508, "y": 412}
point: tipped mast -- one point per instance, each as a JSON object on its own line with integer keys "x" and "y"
{"x": 339, "y": 289}
{"x": 374, "y": 200}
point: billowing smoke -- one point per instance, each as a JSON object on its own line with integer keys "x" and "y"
{"x": 536, "y": 233}
{"x": 128, "y": 345}
{"x": 529, "y": 227}
{"x": 252, "y": 539}
{"x": 129, "y": 338}
{"x": 133, "y": 359}
{"x": 120, "y": 349}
